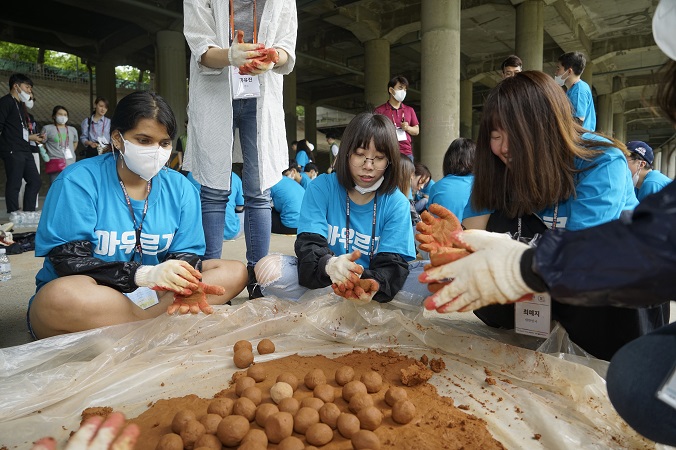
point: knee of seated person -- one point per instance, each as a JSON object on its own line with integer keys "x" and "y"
{"x": 269, "y": 269}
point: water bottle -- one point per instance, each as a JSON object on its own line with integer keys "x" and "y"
{"x": 5, "y": 266}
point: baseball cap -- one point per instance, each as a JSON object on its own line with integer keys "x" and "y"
{"x": 643, "y": 150}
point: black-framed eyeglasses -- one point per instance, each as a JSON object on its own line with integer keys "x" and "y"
{"x": 378, "y": 163}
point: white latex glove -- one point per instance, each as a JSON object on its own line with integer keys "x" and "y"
{"x": 490, "y": 274}
{"x": 343, "y": 268}
{"x": 240, "y": 53}
{"x": 173, "y": 275}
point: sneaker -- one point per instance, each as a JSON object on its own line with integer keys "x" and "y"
{"x": 253, "y": 287}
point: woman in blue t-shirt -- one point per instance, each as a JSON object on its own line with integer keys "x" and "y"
{"x": 304, "y": 153}
{"x": 454, "y": 189}
{"x": 354, "y": 232}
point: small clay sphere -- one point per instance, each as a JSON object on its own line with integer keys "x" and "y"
{"x": 242, "y": 344}
{"x": 324, "y": 392}
{"x": 243, "y": 383}
{"x": 180, "y": 418}
{"x": 329, "y": 413}
{"x": 291, "y": 443}
{"x": 304, "y": 418}
{"x": 170, "y": 441}
{"x": 244, "y": 407}
{"x": 290, "y": 405}
{"x": 209, "y": 441}
{"x": 403, "y": 411}
{"x": 257, "y": 372}
{"x": 265, "y": 346}
{"x": 243, "y": 358}
{"x": 347, "y": 424}
{"x": 353, "y": 387}
{"x": 312, "y": 402}
{"x": 314, "y": 378}
{"x": 192, "y": 430}
{"x": 232, "y": 429}
{"x": 289, "y": 379}
{"x": 365, "y": 439}
{"x": 394, "y": 394}
{"x": 256, "y": 436}
{"x": 264, "y": 411}
{"x": 370, "y": 418}
{"x": 359, "y": 401}
{"x": 280, "y": 390}
{"x": 252, "y": 446}
{"x": 221, "y": 406}
{"x": 344, "y": 375}
{"x": 311, "y": 447}
{"x": 319, "y": 434}
{"x": 210, "y": 422}
{"x": 279, "y": 426}
{"x": 254, "y": 394}
{"x": 373, "y": 381}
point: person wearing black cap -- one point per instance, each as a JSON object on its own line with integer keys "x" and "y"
{"x": 646, "y": 180}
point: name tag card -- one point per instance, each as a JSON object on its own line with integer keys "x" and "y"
{"x": 143, "y": 297}
{"x": 667, "y": 393}
{"x": 67, "y": 153}
{"x": 401, "y": 134}
{"x": 533, "y": 318}
{"x": 244, "y": 86}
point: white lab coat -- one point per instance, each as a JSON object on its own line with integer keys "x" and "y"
{"x": 208, "y": 152}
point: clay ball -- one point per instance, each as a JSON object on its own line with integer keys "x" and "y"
{"x": 314, "y": 378}
{"x": 324, "y": 392}
{"x": 265, "y": 346}
{"x": 279, "y": 426}
{"x": 290, "y": 405}
{"x": 403, "y": 411}
{"x": 304, "y": 418}
{"x": 242, "y": 344}
{"x": 264, "y": 411}
{"x": 291, "y": 443}
{"x": 209, "y": 441}
{"x": 257, "y": 372}
{"x": 251, "y": 446}
{"x": 373, "y": 381}
{"x": 353, "y": 387}
{"x": 221, "y": 406}
{"x": 347, "y": 424}
{"x": 329, "y": 413}
{"x": 180, "y": 418}
{"x": 344, "y": 375}
{"x": 244, "y": 407}
{"x": 365, "y": 439}
{"x": 280, "y": 390}
{"x": 394, "y": 394}
{"x": 312, "y": 402}
{"x": 255, "y": 436}
{"x": 289, "y": 379}
{"x": 243, "y": 383}
{"x": 192, "y": 430}
{"x": 319, "y": 434}
{"x": 254, "y": 394}
{"x": 370, "y": 418}
{"x": 359, "y": 401}
{"x": 170, "y": 441}
{"x": 243, "y": 358}
{"x": 210, "y": 422}
{"x": 232, "y": 429}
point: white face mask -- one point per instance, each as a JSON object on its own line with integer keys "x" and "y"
{"x": 635, "y": 176}
{"x": 29, "y": 103}
{"x": 373, "y": 188}
{"x": 24, "y": 96}
{"x": 399, "y": 95}
{"x": 560, "y": 80}
{"x": 61, "y": 119}
{"x": 144, "y": 161}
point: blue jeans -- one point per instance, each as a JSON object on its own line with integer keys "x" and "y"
{"x": 257, "y": 209}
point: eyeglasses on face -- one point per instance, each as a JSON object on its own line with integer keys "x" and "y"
{"x": 378, "y": 163}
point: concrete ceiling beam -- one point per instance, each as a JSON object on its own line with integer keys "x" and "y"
{"x": 563, "y": 26}
{"x": 621, "y": 46}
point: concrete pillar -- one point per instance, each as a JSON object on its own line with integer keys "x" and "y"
{"x": 440, "y": 65}
{"x": 604, "y": 122}
{"x": 588, "y": 72}
{"x": 466, "y": 108}
{"x": 290, "y": 118}
{"x": 105, "y": 84}
{"x": 619, "y": 127}
{"x": 671, "y": 166}
{"x": 311, "y": 124}
{"x": 664, "y": 160}
{"x": 170, "y": 73}
{"x": 530, "y": 33}
{"x": 376, "y": 71}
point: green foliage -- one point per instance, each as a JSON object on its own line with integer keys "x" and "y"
{"x": 64, "y": 61}
{"x": 18, "y": 52}
{"x": 300, "y": 111}
{"x": 130, "y": 73}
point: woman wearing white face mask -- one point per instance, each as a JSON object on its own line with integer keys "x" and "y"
{"x": 119, "y": 236}
{"x": 61, "y": 142}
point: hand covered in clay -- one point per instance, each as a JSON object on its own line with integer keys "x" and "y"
{"x": 97, "y": 434}
{"x": 343, "y": 268}
{"x": 256, "y": 66}
{"x": 195, "y": 302}
{"x": 6, "y": 238}
{"x": 490, "y": 274}
{"x": 171, "y": 275}
{"x": 241, "y": 53}
{"x": 434, "y": 234}
{"x": 360, "y": 292}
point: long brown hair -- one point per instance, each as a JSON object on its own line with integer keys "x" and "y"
{"x": 543, "y": 141}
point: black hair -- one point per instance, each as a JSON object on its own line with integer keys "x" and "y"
{"x": 142, "y": 105}
{"x": 397, "y": 79}
{"x": 302, "y": 146}
{"x": 19, "y": 78}
{"x": 574, "y": 60}
{"x": 56, "y": 110}
{"x": 459, "y": 158}
{"x": 511, "y": 61}
{"x": 102, "y": 99}
{"x": 311, "y": 166}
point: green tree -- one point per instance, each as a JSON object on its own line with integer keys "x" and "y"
{"x": 18, "y": 52}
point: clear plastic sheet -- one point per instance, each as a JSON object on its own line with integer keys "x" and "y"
{"x": 45, "y": 385}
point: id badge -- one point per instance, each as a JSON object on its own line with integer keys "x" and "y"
{"x": 67, "y": 153}
{"x": 667, "y": 392}
{"x": 143, "y": 297}
{"x": 244, "y": 86}
{"x": 401, "y": 135}
{"x": 25, "y": 135}
{"x": 533, "y": 318}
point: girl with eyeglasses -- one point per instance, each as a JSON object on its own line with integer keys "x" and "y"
{"x": 355, "y": 231}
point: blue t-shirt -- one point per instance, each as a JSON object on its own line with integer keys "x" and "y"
{"x": 324, "y": 213}
{"x": 236, "y": 198}
{"x": 86, "y": 203}
{"x": 453, "y": 193}
{"x": 287, "y": 197}
{"x": 301, "y": 159}
{"x": 305, "y": 180}
{"x": 580, "y": 97}
{"x": 428, "y": 187}
{"x": 654, "y": 181}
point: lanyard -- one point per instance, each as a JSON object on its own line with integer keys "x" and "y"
{"x": 347, "y": 225}
{"x": 23, "y": 125}
{"x": 395, "y": 115}
{"x": 232, "y": 22}
{"x": 58, "y": 133}
{"x": 137, "y": 229}
{"x": 92, "y": 129}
